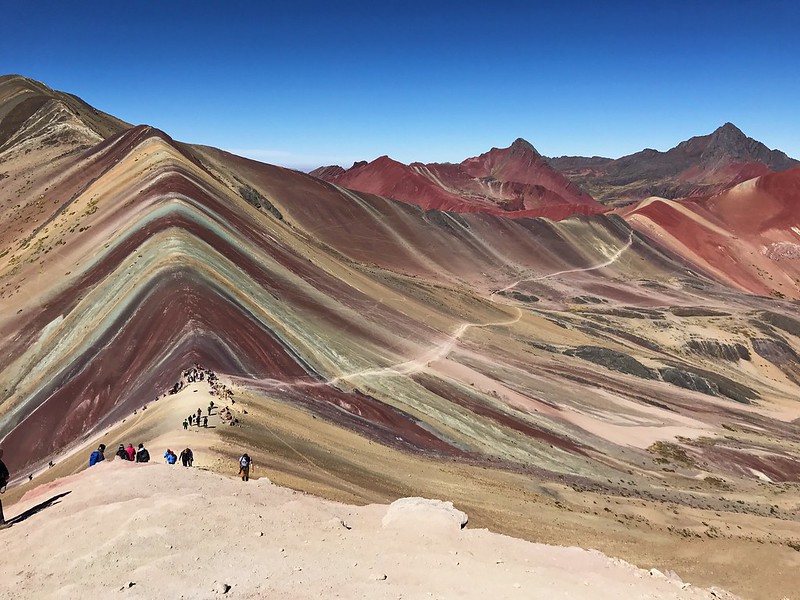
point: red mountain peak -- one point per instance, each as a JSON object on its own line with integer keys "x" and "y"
{"x": 522, "y": 146}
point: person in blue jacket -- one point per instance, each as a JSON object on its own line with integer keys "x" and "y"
{"x": 170, "y": 457}
{"x": 97, "y": 456}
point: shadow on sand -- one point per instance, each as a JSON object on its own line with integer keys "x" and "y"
{"x": 39, "y": 507}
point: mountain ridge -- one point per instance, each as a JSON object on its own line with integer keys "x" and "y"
{"x": 701, "y": 165}
{"x": 514, "y": 182}
{"x": 698, "y": 166}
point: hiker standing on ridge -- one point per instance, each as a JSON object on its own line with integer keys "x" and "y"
{"x": 4, "y": 475}
{"x": 187, "y": 457}
{"x": 96, "y": 456}
{"x": 142, "y": 455}
{"x": 131, "y": 452}
{"x": 245, "y": 462}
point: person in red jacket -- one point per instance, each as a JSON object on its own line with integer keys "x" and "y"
{"x": 131, "y": 452}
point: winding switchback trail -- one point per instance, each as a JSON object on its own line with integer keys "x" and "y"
{"x": 610, "y": 261}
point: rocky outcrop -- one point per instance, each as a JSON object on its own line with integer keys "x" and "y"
{"x": 697, "y": 311}
{"x": 688, "y": 380}
{"x": 716, "y": 349}
{"x": 611, "y": 359}
{"x": 787, "y": 324}
{"x": 780, "y": 354}
{"x": 519, "y": 296}
{"x": 588, "y": 300}
{"x": 707, "y": 382}
{"x": 257, "y": 200}
{"x": 423, "y": 515}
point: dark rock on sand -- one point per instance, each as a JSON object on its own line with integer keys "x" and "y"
{"x": 716, "y": 349}
{"x": 611, "y": 359}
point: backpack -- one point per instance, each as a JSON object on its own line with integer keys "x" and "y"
{"x": 244, "y": 462}
{"x": 143, "y": 455}
{"x": 95, "y": 458}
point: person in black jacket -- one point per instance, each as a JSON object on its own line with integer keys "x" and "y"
{"x": 121, "y": 452}
{"x": 187, "y": 457}
{"x": 4, "y": 475}
{"x": 142, "y": 455}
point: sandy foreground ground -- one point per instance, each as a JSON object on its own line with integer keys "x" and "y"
{"x": 126, "y": 530}
{"x": 177, "y": 532}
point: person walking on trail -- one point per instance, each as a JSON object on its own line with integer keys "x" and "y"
{"x": 121, "y": 452}
{"x": 98, "y": 455}
{"x": 245, "y": 462}
{"x": 185, "y": 424}
{"x": 142, "y": 455}
{"x": 131, "y": 452}
{"x": 4, "y": 477}
{"x": 187, "y": 457}
{"x": 205, "y": 421}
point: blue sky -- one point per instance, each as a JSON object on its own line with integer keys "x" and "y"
{"x": 309, "y": 83}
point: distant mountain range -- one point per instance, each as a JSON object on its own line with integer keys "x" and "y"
{"x": 519, "y": 182}
{"x": 515, "y": 182}
{"x": 699, "y": 166}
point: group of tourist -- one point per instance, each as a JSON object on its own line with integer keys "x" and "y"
{"x": 192, "y": 375}
{"x": 196, "y": 419}
{"x": 186, "y": 458}
{"x": 141, "y": 455}
{"x": 196, "y": 373}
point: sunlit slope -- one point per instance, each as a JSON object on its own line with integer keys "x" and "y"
{"x": 433, "y": 332}
{"x": 157, "y": 262}
{"x": 747, "y": 237}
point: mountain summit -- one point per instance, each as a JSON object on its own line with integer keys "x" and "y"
{"x": 514, "y": 182}
{"x": 699, "y": 166}
{"x": 31, "y": 113}
{"x": 728, "y": 142}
